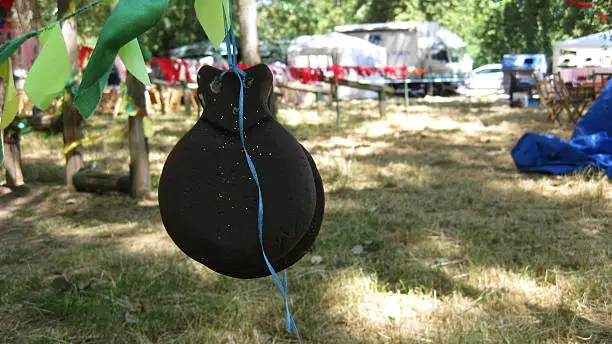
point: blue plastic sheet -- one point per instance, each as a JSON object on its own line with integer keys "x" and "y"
{"x": 590, "y": 145}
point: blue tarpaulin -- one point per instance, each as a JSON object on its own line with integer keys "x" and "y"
{"x": 590, "y": 145}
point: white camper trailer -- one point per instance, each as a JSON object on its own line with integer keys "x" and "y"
{"x": 419, "y": 45}
{"x": 323, "y": 51}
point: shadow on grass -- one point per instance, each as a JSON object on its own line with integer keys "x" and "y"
{"x": 125, "y": 282}
{"x": 116, "y": 294}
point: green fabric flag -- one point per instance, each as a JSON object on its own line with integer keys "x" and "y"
{"x": 132, "y": 57}
{"x": 8, "y": 48}
{"x": 129, "y": 19}
{"x": 147, "y": 127}
{"x": 210, "y": 16}
{"x": 11, "y": 101}
{"x": 51, "y": 70}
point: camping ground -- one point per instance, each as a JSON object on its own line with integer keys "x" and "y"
{"x": 430, "y": 236}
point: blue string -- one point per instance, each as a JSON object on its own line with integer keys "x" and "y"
{"x": 230, "y": 42}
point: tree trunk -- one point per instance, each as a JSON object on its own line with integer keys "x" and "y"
{"x": 27, "y": 19}
{"x": 249, "y": 42}
{"x": 139, "y": 145}
{"x": 73, "y": 122}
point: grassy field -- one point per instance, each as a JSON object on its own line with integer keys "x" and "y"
{"x": 464, "y": 250}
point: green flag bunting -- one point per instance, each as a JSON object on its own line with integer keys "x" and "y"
{"x": 11, "y": 101}
{"x": 129, "y": 19}
{"x": 51, "y": 70}
{"x": 8, "y": 48}
{"x": 210, "y": 16}
{"x": 132, "y": 57}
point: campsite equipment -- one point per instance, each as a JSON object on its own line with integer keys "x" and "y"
{"x": 520, "y": 71}
{"x": 578, "y": 58}
{"x": 590, "y": 145}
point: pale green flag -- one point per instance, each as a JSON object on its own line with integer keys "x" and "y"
{"x": 11, "y": 101}
{"x": 131, "y": 55}
{"x": 51, "y": 70}
{"x": 210, "y": 16}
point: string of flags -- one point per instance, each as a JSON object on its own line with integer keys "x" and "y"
{"x": 587, "y": 6}
{"x": 51, "y": 71}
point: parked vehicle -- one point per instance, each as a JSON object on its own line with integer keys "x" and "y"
{"x": 489, "y": 76}
{"x": 520, "y": 71}
{"x": 420, "y": 45}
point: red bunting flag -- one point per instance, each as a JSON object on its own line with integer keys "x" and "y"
{"x": 589, "y": 6}
{"x": 579, "y": 4}
{"x": 7, "y": 4}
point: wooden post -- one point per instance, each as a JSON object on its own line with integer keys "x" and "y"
{"x": 26, "y": 17}
{"x": 431, "y": 86}
{"x": 406, "y": 95}
{"x": 187, "y": 99}
{"x": 12, "y": 150}
{"x": 12, "y": 157}
{"x": 338, "y": 122}
{"x": 162, "y": 102}
{"x": 381, "y": 103}
{"x": 139, "y": 146}
{"x": 318, "y": 101}
{"x": 72, "y": 120}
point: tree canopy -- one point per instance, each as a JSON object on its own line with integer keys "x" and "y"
{"x": 490, "y": 28}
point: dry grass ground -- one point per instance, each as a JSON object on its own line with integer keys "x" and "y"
{"x": 464, "y": 249}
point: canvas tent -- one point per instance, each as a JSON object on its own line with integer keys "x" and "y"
{"x": 336, "y": 48}
{"x": 592, "y": 51}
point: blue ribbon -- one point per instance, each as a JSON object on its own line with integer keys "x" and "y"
{"x": 230, "y": 42}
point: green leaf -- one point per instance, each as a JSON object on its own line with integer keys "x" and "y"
{"x": 11, "y": 101}
{"x": 129, "y": 19}
{"x": 51, "y": 70}
{"x": 210, "y": 16}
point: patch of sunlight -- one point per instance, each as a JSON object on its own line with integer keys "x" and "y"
{"x": 366, "y": 307}
{"x": 417, "y": 122}
{"x": 515, "y": 288}
{"x": 93, "y": 233}
{"x": 438, "y": 245}
{"x": 566, "y": 187}
{"x": 294, "y": 117}
{"x": 149, "y": 243}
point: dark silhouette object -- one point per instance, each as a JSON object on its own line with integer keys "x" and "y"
{"x": 208, "y": 198}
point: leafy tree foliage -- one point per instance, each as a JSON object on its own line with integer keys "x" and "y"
{"x": 490, "y": 28}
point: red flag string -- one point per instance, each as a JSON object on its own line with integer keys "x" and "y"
{"x": 589, "y": 8}
{"x": 579, "y": 4}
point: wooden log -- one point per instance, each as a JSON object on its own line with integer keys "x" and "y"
{"x": 362, "y": 86}
{"x": 46, "y": 122}
{"x": 87, "y": 180}
{"x": 301, "y": 89}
